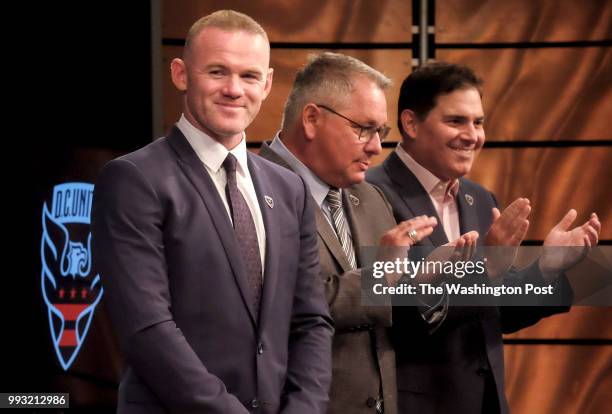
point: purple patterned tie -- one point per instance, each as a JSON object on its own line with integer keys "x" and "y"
{"x": 244, "y": 227}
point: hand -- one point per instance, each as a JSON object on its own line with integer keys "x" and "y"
{"x": 464, "y": 249}
{"x": 399, "y": 235}
{"x": 510, "y": 227}
{"x": 465, "y": 246}
{"x": 393, "y": 243}
{"x": 563, "y": 248}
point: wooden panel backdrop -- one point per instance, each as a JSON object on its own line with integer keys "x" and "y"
{"x": 482, "y": 21}
{"x": 531, "y": 94}
{"x": 546, "y": 94}
{"x": 312, "y": 21}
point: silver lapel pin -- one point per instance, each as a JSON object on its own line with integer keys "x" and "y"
{"x": 469, "y": 199}
{"x": 354, "y": 200}
{"x": 269, "y": 201}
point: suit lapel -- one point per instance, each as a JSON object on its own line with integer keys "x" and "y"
{"x": 330, "y": 239}
{"x": 324, "y": 228}
{"x": 357, "y": 216}
{"x": 264, "y": 191}
{"x": 196, "y": 173}
{"x": 414, "y": 195}
{"x": 468, "y": 217}
{"x": 269, "y": 154}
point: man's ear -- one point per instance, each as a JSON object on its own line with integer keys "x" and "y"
{"x": 268, "y": 85}
{"x": 311, "y": 118}
{"x": 178, "y": 71}
{"x": 409, "y": 123}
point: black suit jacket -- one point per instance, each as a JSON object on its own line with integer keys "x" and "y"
{"x": 461, "y": 364}
{"x": 176, "y": 288}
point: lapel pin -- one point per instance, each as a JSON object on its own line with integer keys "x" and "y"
{"x": 354, "y": 200}
{"x": 269, "y": 201}
{"x": 469, "y": 199}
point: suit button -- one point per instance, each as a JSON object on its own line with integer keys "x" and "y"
{"x": 254, "y": 403}
{"x": 371, "y": 402}
{"x": 260, "y": 348}
{"x": 482, "y": 371}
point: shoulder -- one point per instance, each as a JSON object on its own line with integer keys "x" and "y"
{"x": 377, "y": 175}
{"x": 476, "y": 190}
{"x": 146, "y": 168}
{"x": 371, "y": 197}
{"x": 135, "y": 168}
{"x": 277, "y": 174}
{"x": 148, "y": 159}
{"x": 368, "y": 192}
{"x": 380, "y": 178}
{"x": 157, "y": 153}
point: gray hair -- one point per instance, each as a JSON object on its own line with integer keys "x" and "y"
{"x": 328, "y": 78}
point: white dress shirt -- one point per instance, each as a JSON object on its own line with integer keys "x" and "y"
{"x": 212, "y": 154}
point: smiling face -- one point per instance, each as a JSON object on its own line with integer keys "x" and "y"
{"x": 450, "y": 137}
{"x": 340, "y": 158}
{"x": 225, "y": 77}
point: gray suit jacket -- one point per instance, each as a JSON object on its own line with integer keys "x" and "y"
{"x": 176, "y": 289}
{"x": 461, "y": 364}
{"x": 362, "y": 352}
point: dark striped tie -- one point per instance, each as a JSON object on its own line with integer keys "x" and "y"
{"x": 244, "y": 227}
{"x": 340, "y": 225}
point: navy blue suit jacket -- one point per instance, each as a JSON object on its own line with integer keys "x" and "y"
{"x": 461, "y": 364}
{"x": 176, "y": 288}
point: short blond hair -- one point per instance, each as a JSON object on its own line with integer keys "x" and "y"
{"x": 229, "y": 20}
{"x": 328, "y": 78}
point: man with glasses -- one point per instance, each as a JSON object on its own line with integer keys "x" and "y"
{"x": 333, "y": 124}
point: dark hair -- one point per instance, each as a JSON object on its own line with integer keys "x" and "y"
{"x": 420, "y": 89}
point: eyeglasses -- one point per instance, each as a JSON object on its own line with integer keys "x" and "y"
{"x": 366, "y": 133}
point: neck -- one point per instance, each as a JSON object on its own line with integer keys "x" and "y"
{"x": 228, "y": 141}
{"x": 296, "y": 143}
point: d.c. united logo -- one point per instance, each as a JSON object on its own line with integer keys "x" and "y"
{"x": 70, "y": 287}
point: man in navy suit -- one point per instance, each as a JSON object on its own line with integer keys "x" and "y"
{"x": 459, "y": 367}
{"x": 208, "y": 253}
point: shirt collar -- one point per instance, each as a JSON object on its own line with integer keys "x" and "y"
{"x": 318, "y": 188}
{"x": 210, "y": 151}
{"x": 429, "y": 181}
